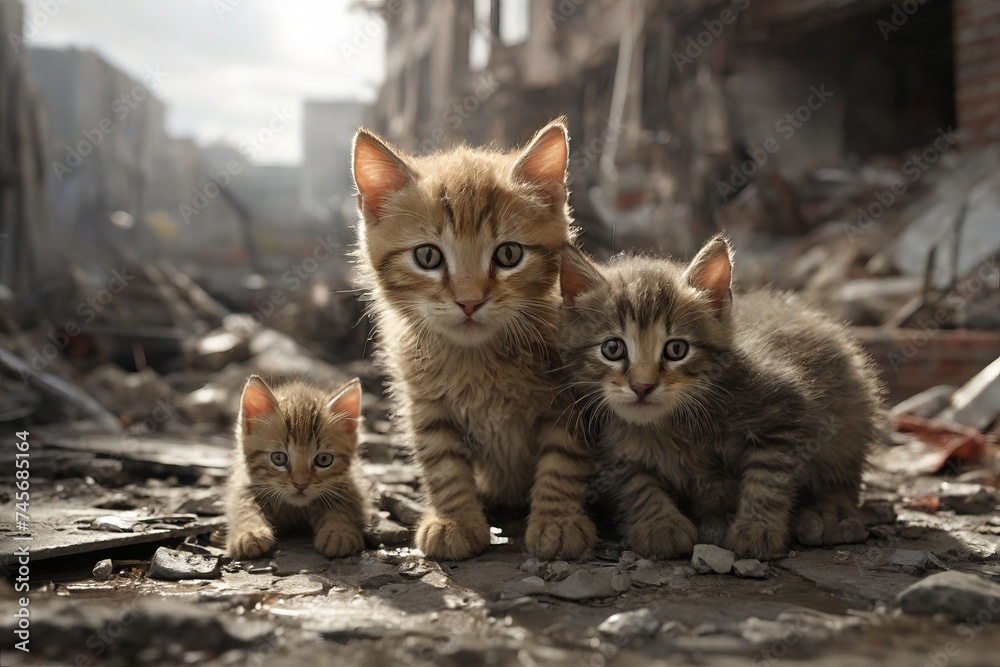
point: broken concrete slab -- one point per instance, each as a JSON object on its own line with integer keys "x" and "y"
{"x": 977, "y": 402}
{"x": 176, "y": 565}
{"x": 708, "y": 558}
{"x": 926, "y": 404}
{"x": 957, "y": 595}
{"x": 625, "y": 626}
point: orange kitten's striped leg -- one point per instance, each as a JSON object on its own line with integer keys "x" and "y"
{"x": 558, "y": 525}
{"x": 337, "y": 523}
{"x": 654, "y": 524}
{"x": 767, "y": 494}
{"x": 455, "y": 529}
{"x": 249, "y": 534}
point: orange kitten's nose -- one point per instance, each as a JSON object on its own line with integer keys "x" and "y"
{"x": 470, "y": 306}
{"x": 300, "y": 487}
{"x": 642, "y": 389}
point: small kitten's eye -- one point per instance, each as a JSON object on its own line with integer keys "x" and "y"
{"x": 508, "y": 255}
{"x": 428, "y": 256}
{"x": 323, "y": 460}
{"x": 613, "y": 349}
{"x": 279, "y": 459}
{"x": 675, "y": 349}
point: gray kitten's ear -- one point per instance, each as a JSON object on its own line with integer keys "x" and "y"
{"x": 711, "y": 271}
{"x": 346, "y": 405}
{"x": 379, "y": 171}
{"x": 257, "y": 403}
{"x": 544, "y": 161}
{"x": 578, "y": 275}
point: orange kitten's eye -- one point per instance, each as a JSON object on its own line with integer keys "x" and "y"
{"x": 614, "y": 349}
{"x": 323, "y": 460}
{"x": 675, "y": 349}
{"x": 279, "y": 459}
{"x": 428, "y": 256}
{"x": 508, "y": 255}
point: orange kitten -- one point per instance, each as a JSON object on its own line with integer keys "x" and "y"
{"x": 295, "y": 469}
{"x": 461, "y": 253}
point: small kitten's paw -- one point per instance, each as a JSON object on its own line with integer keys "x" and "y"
{"x": 551, "y": 537}
{"x": 712, "y": 530}
{"x": 337, "y": 539}
{"x": 754, "y": 539}
{"x": 808, "y": 528}
{"x": 446, "y": 538}
{"x": 670, "y": 537}
{"x": 829, "y": 523}
{"x": 250, "y": 543}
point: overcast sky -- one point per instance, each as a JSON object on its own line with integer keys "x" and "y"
{"x": 229, "y": 63}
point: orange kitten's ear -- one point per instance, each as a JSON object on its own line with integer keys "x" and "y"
{"x": 379, "y": 171}
{"x": 257, "y": 403}
{"x": 346, "y": 405}
{"x": 544, "y": 161}
{"x": 712, "y": 271}
{"x": 578, "y": 275}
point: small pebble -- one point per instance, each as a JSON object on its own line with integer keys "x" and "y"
{"x": 103, "y": 569}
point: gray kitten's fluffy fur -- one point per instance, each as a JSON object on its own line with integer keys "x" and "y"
{"x": 737, "y": 421}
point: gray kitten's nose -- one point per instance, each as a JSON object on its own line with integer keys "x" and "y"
{"x": 470, "y": 306}
{"x": 642, "y": 389}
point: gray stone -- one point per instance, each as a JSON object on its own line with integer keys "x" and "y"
{"x": 927, "y": 403}
{"x": 625, "y": 626}
{"x": 915, "y": 558}
{"x": 750, "y": 568}
{"x": 103, "y": 569}
{"x": 710, "y": 558}
{"x": 176, "y": 565}
{"x": 621, "y": 580}
{"x": 387, "y": 532}
{"x": 956, "y": 594}
{"x": 586, "y": 584}
{"x": 532, "y": 566}
{"x": 628, "y": 558}
{"x": 967, "y": 498}
{"x": 644, "y": 564}
{"x": 298, "y": 584}
{"x": 293, "y": 562}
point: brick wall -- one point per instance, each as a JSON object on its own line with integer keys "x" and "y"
{"x": 976, "y": 29}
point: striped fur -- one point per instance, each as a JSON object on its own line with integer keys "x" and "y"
{"x": 474, "y": 393}
{"x": 758, "y": 433}
{"x": 302, "y": 422}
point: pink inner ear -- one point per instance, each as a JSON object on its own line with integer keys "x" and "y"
{"x": 347, "y": 405}
{"x": 377, "y": 173}
{"x": 257, "y": 402}
{"x": 715, "y": 277}
{"x": 572, "y": 282}
{"x": 544, "y": 163}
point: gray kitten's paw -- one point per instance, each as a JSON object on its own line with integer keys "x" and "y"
{"x": 445, "y": 538}
{"x": 250, "y": 543}
{"x": 762, "y": 540}
{"x": 552, "y": 537}
{"x": 336, "y": 539}
{"x": 668, "y": 537}
{"x": 829, "y": 523}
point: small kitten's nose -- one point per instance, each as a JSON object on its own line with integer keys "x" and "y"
{"x": 300, "y": 487}
{"x": 642, "y": 389}
{"x": 470, "y": 306}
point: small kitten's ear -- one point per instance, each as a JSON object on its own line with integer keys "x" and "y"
{"x": 256, "y": 403}
{"x": 578, "y": 274}
{"x": 347, "y": 405}
{"x": 544, "y": 161}
{"x": 379, "y": 171}
{"x": 712, "y": 271}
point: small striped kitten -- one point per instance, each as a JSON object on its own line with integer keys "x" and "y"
{"x": 741, "y": 421}
{"x": 295, "y": 469}
{"x": 460, "y": 252}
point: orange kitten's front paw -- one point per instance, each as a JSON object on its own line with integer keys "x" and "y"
{"x": 668, "y": 537}
{"x": 757, "y": 539}
{"x": 444, "y": 538}
{"x": 250, "y": 543}
{"x": 338, "y": 539}
{"x": 552, "y": 537}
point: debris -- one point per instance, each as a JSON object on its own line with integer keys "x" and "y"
{"x": 750, "y": 568}
{"x": 115, "y": 524}
{"x": 878, "y": 511}
{"x": 958, "y": 595}
{"x": 581, "y": 585}
{"x": 621, "y": 580}
{"x": 176, "y": 565}
{"x": 917, "y": 559}
{"x": 967, "y": 498}
{"x": 532, "y": 566}
{"x": 625, "y": 626}
{"x": 927, "y": 404}
{"x": 103, "y": 569}
{"x": 977, "y": 403}
{"x": 628, "y": 558}
{"x": 385, "y": 532}
{"x": 926, "y": 504}
{"x": 710, "y": 558}
{"x": 288, "y": 561}
{"x": 935, "y": 443}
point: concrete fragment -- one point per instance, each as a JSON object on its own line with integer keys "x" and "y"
{"x": 532, "y": 566}
{"x": 977, "y": 402}
{"x": 402, "y": 509}
{"x": 625, "y": 626}
{"x": 956, "y": 594}
{"x": 287, "y": 561}
{"x": 621, "y": 580}
{"x": 386, "y": 532}
{"x": 927, "y": 403}
{"x": 176, "y": 565}
{"x": 103, "y": 569}
{"x": 586, "y": 585}
{"x": 628, "y": 558}
{"x": 750, "y": 568}
{"x": 915, "y": 558}
{"x": 644, "y": 564}
{"x": 115, "y": 524}
{"x": 298, "y": 584}
{"x": 710, "y": 558}
{"x": 967, "y": 498}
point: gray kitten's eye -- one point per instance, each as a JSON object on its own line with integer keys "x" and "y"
{"x": 428, "y": 256}
{"x": 614, "y": 349}
{"x": 323, "y": 460}
{"x": 508, "y": 255}
{"x": 279, "y": 459}
{"x": 675, "y": 349}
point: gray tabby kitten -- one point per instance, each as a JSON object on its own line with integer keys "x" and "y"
{"x": 749, "y": 419}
